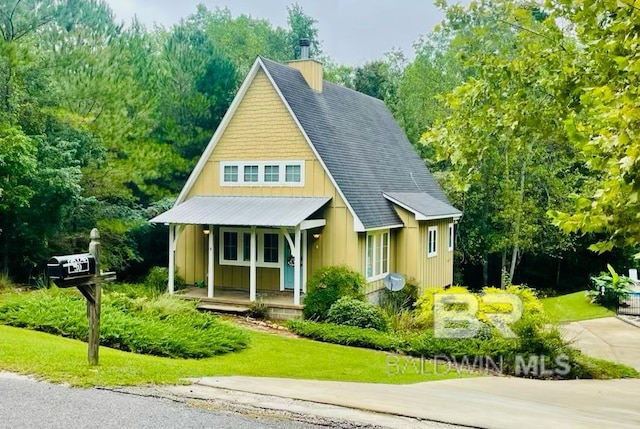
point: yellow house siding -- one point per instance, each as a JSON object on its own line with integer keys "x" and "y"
{"x": 262, "y": 129}
{"x": 437, "y": 270}
{"x": 408, "y": 247}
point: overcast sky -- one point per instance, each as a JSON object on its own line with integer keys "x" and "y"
{"x": 351, "y": 31}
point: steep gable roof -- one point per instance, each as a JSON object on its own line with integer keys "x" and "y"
{"x": 364, "y": 151}
{"x": 361, "y": 144}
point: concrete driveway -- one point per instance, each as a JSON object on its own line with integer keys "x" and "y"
{"x": 488, "y": 402}
{"x": 608, "y": 338}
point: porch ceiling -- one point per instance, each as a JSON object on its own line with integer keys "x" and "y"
{"x": 242, "y": 211}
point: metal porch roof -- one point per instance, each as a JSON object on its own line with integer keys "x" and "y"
{"x": 242, "y": 211}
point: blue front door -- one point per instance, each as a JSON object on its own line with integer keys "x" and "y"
{"x": 288, "y": 267}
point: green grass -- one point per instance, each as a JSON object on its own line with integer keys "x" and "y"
{"x": 573, "y": 307}
{"x": 65, "y": 360}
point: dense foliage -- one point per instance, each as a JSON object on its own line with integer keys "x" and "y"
{"x": 537, "y": 351}
{"x": 161, "y": 326}
{"x": 347, "y": 335}
{"x": 527, "y": 114}
{"x": 101, "y": 123}
{"x": 610, "y": 289}
{"x": 350, "y": 311}
{"x": 327, "y": 286}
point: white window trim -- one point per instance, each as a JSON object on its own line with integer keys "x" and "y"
{"x": 450, "y": 237}
{"x": 433, "y": 229}
{"x": 261, "y": 167}
{"x": 259, "y": 243}
{"x": 377, "y": 252}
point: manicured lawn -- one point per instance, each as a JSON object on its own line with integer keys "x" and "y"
{"x": 573, "y": 307}
{"x": 64, "y": 360}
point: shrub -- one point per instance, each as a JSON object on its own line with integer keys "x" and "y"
{"x": 615, "y": 287}
{"x": 424, "y": 305}
{"x": 5, "y": 283}
{"x": 327, "y": 286}
{"x": 258, "y": 310}
{"x": 347, "y": 335}
{"x": 158, "y": 280}
{"x": 164, "y": 326}
{"x": 399, "y": 301}
{"x": 353, "y": 312}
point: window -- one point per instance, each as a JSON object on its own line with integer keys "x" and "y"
{"x": 292, "y": 174}
{"x": 270, "y": 243}
{"x": 246, "y": 246}
{"x": 271, "y": 173}
{"x": 231, "y": 173}
{"x": 377, "y": 255}
{"x": 432, "y": 241}
{"x": 450, "y": 238}
{"x": 262, "y": 173}
{"x": 251, "y": 173}
{"x": 230, "y": 252}
{"x": 235, "y": 247}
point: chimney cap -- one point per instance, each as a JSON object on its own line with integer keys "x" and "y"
{"x": 305, "y": 42}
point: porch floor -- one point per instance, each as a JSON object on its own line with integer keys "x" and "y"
{"x": 240, "y": 297}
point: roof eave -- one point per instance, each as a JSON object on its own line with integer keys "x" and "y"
{"x": 421, "y": 216}
{"x": 202, "y": 162}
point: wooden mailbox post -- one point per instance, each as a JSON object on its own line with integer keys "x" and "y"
{"x": 83, "y": 271}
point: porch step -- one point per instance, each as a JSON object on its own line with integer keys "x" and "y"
{"x": 223, "y": 308}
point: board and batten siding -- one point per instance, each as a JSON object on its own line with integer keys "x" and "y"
{"x": 437, "y": 271}
{"x": 260, "y": 130}
{"x": 411, "y": 252}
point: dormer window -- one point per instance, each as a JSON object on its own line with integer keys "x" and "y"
{"x": 262, "y": 173}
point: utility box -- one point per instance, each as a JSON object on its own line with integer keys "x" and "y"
{"x": 70, "y": 267}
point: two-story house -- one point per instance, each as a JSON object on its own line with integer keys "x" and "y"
{"x": 303, "y": 173}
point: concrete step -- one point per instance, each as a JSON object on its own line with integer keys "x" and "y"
{"x": 224, "y": 308}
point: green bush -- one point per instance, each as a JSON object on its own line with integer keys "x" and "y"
{"x": 616, "y": 288}
{"x": 158, "y": 280}
{"x": 258, "y": 310}
{"x": 163, "y": 326}
{"x": 347, "y": 335}
{"x": 399, "y": 301}
{"x": 354, "y": 312}
{"x": 327, "y": 286}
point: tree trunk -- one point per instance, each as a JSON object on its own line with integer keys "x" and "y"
{"x": 485, "y": 269}
{"x": 558, "y": 272}
{"x": 503, "y": 269}
{"x": 514, "y": 261}
{"x": 516, "y": 232}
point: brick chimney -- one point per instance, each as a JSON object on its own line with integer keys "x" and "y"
{"x": 311, "y": 69}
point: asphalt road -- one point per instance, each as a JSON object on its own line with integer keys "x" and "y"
{"x": 25, "y": 403}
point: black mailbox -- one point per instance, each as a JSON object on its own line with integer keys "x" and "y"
{"x": 69, "y": 267}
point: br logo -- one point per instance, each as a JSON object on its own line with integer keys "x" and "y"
{"x": 455, "y": 315}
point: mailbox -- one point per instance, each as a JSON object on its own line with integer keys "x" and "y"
{"x": 69, "y": 267}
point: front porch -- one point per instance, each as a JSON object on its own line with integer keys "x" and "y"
{"x": 237, "y": 301}
{"x": 249, "y": 243}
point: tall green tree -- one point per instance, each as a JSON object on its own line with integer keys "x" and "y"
{"x": 605, "y": 122}
{"x": 503, "y": 139}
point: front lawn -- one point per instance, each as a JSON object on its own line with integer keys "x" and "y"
{"x": 64, "y": 360}
{"x": 573, "y": 307}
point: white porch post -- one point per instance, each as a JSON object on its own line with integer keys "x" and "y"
{"x": 305, "y": 261}
{"x": 172, "y": 258}
{"x": 210, "y": 276}
{"x": 296, "y": 267}
{"x": 252, "y": 267}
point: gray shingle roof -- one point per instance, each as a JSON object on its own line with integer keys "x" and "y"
{"x": 361, "y": 144}
{"x": 423, "y": 204}
{"x": 242, "y": 211}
